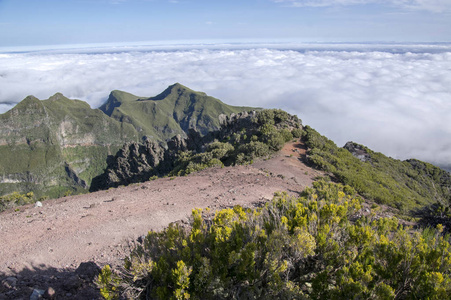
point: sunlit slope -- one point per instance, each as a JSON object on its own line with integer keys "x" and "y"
{"x": 56, "y": 145}
{"x": 407, "y": 185}
{"x": 174, "y": 111}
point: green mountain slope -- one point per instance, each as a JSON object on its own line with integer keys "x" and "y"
{"x": 172, "y": 112}
{"x": 56, "y": 145}
{"x": 406, "y": 185}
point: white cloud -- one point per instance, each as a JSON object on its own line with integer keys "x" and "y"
{"x": 437, "y": 6}
{"x": 394, "y": 99}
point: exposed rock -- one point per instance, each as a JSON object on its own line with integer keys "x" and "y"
{"x": 50, "y": 293}
{"x": 359, "y": 151}
{"x": 73, "y": 175}
{"x": 9, "y": 282}
{"x": 37, "y": 294}
{"x": 225, "y": 120}
{"x": 133, "y": 163}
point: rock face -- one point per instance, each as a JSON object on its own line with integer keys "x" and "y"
{"x": 137, "y": 162}
{"x": 359, "y": 151}
{"x": 133, "y": 162}
{"x": 58, "y": 145}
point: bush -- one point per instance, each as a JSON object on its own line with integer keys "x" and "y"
{"x": 15, "y": 199}
{"x": 254, "y": 149}
{"x": 297, "y": 132}
{"x": 293, "y": 248}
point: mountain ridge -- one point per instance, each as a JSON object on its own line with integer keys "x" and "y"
{"x": 56, "y": 146}
{"x": 174, "y": 111}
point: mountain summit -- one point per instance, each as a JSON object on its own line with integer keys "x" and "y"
{"x": 176, "y": 110}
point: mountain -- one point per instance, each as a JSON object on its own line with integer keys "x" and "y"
{"x": 57, "y": 146}
{"x": 176, "y": 110}
{"x": 361, "y": 215}
{"x": 406, "y": 185}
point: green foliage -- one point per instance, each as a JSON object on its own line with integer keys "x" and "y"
{"x": 107, "y": 282}
{"x": 15, "y": 199}
{"x": 270, "y": 130}
{"x": 188, "y": 162}
{"x": 405, "y": 185}
{"x": 292, "y": 248}
{"x": 297, "y": 132}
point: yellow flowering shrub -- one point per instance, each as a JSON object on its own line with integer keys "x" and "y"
{"x": 292, "y": 248}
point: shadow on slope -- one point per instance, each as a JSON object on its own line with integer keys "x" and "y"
{"x": 43, "y": 281}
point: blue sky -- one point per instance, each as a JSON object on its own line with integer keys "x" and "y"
{"x": 53, "y": 22}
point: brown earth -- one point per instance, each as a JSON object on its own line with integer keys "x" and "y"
{"x": 42, "y": 246}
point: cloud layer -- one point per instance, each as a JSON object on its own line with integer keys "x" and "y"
{"x": 395, "y": 101}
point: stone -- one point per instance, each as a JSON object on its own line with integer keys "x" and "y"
{"x": 37, "y": 294}
{"x": 10, "y": 282}
{"x": 358, "y": 151}
{"x": 50, "y": 293}
{"x": 38, "y": 204}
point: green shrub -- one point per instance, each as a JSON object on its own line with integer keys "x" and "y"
{"x": 254, "y": 149}
{"x": 15, "y": 199}
{"x": 292, "y": 248}
{"x": 297, "y": 132}
{"x": 286, "y": 135}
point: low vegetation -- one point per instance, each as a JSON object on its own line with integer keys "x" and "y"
{"x": 15, "y": 199}
{"x": 317, "y": 246}
{"x": 269, "y": 131}
{"x": 406, "y": 185}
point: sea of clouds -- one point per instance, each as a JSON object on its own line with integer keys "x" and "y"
{"x": 395, "y": 99}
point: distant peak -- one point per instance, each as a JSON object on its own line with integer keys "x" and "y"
{"x": 57, "y": 96}
{"x": 121, "y": 95}
{"x": 116, "y": 92}
{"x": 178, "y": 86}
{"x": 29, "y": 101}
{"x": 175, "y": 88}
{"x": 30, "y": 98}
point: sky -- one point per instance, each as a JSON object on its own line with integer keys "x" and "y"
{"x": 376, "y": 72}
{"x": 55, "y": 22}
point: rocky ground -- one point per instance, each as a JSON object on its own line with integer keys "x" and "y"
{"x": 55, "y": 251}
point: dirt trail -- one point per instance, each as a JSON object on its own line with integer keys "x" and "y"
{"x": 67, "y": 231}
